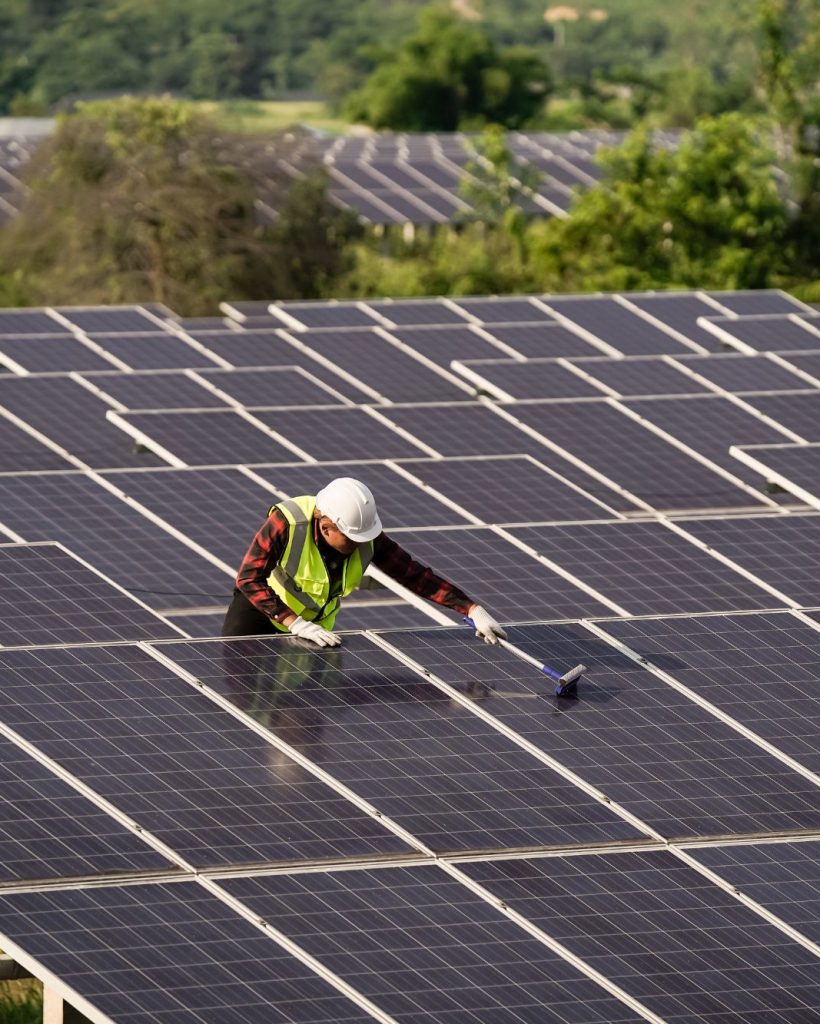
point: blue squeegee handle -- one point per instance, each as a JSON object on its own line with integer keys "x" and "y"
{"x": 522, "y": 654}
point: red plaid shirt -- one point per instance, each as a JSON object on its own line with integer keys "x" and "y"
{"x": 268, "y": 546}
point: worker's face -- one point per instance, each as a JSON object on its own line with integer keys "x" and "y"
{"x": 335, "y": 538}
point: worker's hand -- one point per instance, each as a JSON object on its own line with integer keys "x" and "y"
{"x": 314, "y": 632}
{"x": 485, "y": 625}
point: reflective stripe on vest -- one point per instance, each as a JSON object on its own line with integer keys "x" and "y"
{"x": 301, "y": 579}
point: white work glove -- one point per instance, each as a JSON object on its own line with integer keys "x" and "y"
{"x": 485, "y": 625}
{"x": 314, "y": 632}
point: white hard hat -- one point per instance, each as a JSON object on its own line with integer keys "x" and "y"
{"x": 352, "y": 507}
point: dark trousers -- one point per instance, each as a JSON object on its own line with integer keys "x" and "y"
{"x": 242, "y": 619}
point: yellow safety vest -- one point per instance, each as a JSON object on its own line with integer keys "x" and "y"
{"x": 300, "y": 579}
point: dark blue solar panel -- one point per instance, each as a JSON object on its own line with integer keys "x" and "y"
{"x": 451, "y": 780}
{"x": 542, "y": 378}
{"x": 680, "y": 311}
{"x": 154, "y": 351}
{"x": 783, "y": 551}
{"x": 755, "y": 303}
{"x": 632, "y": 456}
{"x": 400, "y": 502}
{"x": 382, "y": 366}
{"x": 73, "y": 418}
{"x": 800, "y": 413}
{"x": 782, "y": 877}
{"x": 114, "y": 538}
{"x": 155, "y": 391}
{"x": 499, "y": 575}
{"x": 618, "y": 326}
{"x": 796, "y": 464}
{"x": 736, "y": 372}
{"x": 111, "y": 319}
{"x": 760, "y": 669}
{"x": 212, "y": 437}
{"x": 443, "y": 344}
{"x": 668, "y": 936}
{"x": 169, "y": 953}
{"x": 323, "y": 314}
{"x": 47, "y": 354}
{"x": 409, "y": 312}
{"x": 381, "y": 614}
{"x": 20, "y": 451}
{"x": 29, "y": 321}
{"x": 48, "y": 597}
{"x": 185, "y": 770}
{"x": 642, "y": 743}
{"x": 503, "y": 310}
{"x": 543, "y": 340}
{"x": 645, "y": 567}
{"x": 336, "y": 434}
{"x": 423, "y": 947}
{"x": 505, "y": 490}
{"x": 198, "y": 626}
{"x": 284, "y": 387}
{"x": 640, "y": 376}
{"x": 769, "y": 333}
{"x": 48, "y": 830}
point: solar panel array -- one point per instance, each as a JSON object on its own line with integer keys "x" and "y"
{"x": 413, "y": 827}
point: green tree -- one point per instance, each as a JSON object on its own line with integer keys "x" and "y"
{"x": 450, "y": 74}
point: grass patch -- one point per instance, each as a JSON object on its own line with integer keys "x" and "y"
{"x": 21, "y": 1002}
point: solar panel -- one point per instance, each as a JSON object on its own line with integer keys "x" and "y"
{"x": 30, "y": 321}
{"x": 451, "y": 780}
{"x": 710, "y": 425}
{"x": 783, "y": 877}
{"x": 797, "y": 412}
{"x": 115, "y": 538}
{"x": 400, "y": 502}
{"x": 808, "y": 362}
{"x": 498, "y": 575}
{"x": 110, "y": 319}
{"x": 618, "y": 326}
{"x": 73, "y": 418}
{"x": 285, "y": 386}
{"x": 632, "y": 456}
{"x": 220, "y": 509}
{"x": 499, "y": 490}
{"x": 43, "y": 354}
{"x": 201, "y": 625}
{"x": 382, "y": 366}
{"x": 759, "y": 669}
{"x": 766, "y": 333}
{"x": 643, "y": 744}
{"x": 19, "y": 451}
{"x": 49, "y": 597}
{"x": 381, "y": 615}
{"x": 155, "y": 391}
{"x": 758, "y": 302}
{"x": 645, "y": 567}
{"x": 544, "y": 340}
{"x": 156, "y": 351}
{"x": 209, "y": 437}
{"x": 795, "y": 467}
{"x": 414, "y": 312}
{"x": 784, "y": 551}
{"x": 169, "y": 953}
{"x": 240, "y": 311}
{"x": 323, "y": 314}
{"x": 656, "y": 927}
{"x": 444, "y": 344}
{"x": 638, "y": 376}
{"x": 536, "y": 378}
{"x": 736, "y": 372}
{"x": 424, "y": 947}
{"x": 182, "y": 768}
{"x": 48, "y": 830}
{"x": 506, "y": 310}
{"x": 337, "y": 434}
{"x": 680, "y": 311}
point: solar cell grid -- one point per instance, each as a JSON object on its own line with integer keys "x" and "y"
{"x": 203, "y": 625}
{"x": 181, "y": 767}
{"x": 155, "y": 391}
{"x": 424, "y": 947}
{"x": 797, "y": 412}
{"x": 808, "y": 362}
{"x": 20, "y": 451}
{"x": 639, "y": 376}
{"x": 400, "y": 502}
{"x": 680, "y": 311}
{"x": 632, "y": 456}
{"x": 503, "y": 311}
{"x": 759, "y": 302}
{"x": 736, "y": 373}
{"x": 155, "y": 351}
{"x": 29, "y": 321}
{"x": 796, "y": 467}
{"x": 414, "y": 313}
{"x": 443, "y": 344}
{"x": 645, "y": 567}
{"x": 286, "y": 386}
{"x": 48, "y": 830}
{"x": 646, "y": 746}
{"x": 113, "y": 537}
{"x": 546, "y": 340}
{"x": 618, "y": 326}
{"x": 48, "y": 597}
{"x": 759, "y": 669}
{"x": 451, "y": 780}
{"x": 357, "y": 615}
{"x": 766, "y": 333}
{"x": 498, "y": 575}
{"x": 43, "y": 354}
{"x": 387, "y": 369}
{"x": 336, "y": 434}
{"x": 210, "y": 437}
{"x": 535, "y": 378}
{"x": 505, "y": 490}
{"x": 111, "y": 319}
{"x": 784, "y": 551}
{"x": 73, "y": 418}
{"x": 169, "y": 953}
{"x": 664, "y": 933}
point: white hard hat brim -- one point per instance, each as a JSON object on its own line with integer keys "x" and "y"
{"x": 363, "y": 536}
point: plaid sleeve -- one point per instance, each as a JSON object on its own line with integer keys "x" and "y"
{"x": 418, "y": 578}
{"x": 262, "y": 556}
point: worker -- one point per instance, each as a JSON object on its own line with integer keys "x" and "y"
{"x": 313, "y": 551}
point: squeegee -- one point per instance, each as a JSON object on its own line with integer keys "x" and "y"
{"x": 566, "y": 683}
